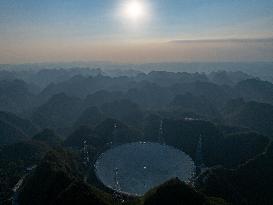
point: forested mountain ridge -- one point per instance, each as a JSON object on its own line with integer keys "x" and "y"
{"x": 51, "y": 134}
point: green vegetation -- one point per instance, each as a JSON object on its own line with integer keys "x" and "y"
{"x": 14, "y": 160}
{"x": 48, "y": 136}
{"x": 250, "y": 183}
{"x": 64, "y": 126}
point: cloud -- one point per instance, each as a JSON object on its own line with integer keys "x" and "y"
{"x": 231, "y": 40}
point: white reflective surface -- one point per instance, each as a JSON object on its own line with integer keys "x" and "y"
{"x": 137, "y": 167}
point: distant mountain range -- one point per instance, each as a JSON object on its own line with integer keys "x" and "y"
{"x": 52, "y": 133}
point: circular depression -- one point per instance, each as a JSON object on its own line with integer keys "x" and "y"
{"x": 135, "y": 168}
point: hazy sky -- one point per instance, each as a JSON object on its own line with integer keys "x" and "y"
{"x": 165, "y": 30}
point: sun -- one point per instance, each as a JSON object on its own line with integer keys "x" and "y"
{"x": 135, "y": 10}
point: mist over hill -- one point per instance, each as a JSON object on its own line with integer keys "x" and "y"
{"x": 56, "y": 120}
{"x": 46, "y": 73}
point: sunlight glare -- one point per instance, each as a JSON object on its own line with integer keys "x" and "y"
{"x": 135, "y": 10}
